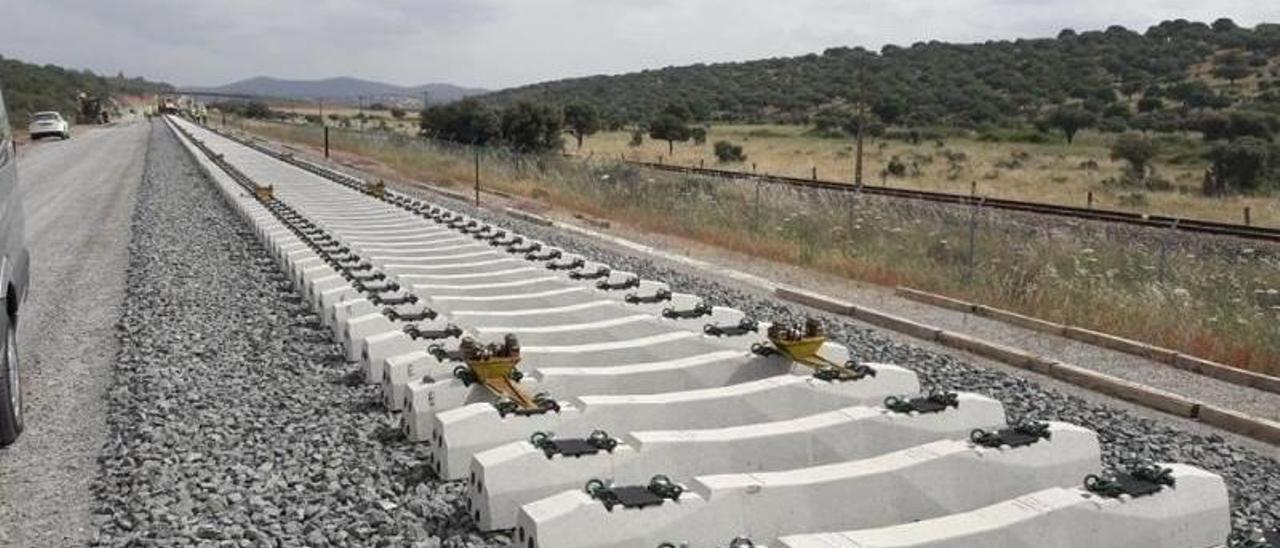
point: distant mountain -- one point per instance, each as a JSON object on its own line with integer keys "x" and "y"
{"x": 343, "y": 89}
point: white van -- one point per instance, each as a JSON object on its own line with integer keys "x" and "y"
{"x": 14, "y": 264}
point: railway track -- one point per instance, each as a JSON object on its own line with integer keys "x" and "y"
{"x": 587, "y": 407}
{"x": 1196, "y": 226}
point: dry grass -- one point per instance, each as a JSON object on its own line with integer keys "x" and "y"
{"x": 1199, "y": 296}
{"x": 1036, "y": 172}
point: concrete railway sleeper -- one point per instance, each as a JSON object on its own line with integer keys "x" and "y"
{"x": 1184, "y": 515}
{"x": 654, "y": 390}
{"x": 506, "y": 477}
{"x": 926, "y": 481}
{"x": 457, "y": 434}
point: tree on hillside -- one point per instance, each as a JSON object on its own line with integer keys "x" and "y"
{"x": 670, "y": 129}
{"x": 832, "y": 120}
{"x": 1163, "y": 121}
{"x": 397, "y": 113}
{"x": 671, "y": 125}
{"x": 1070, "y": 120}
{"x": 1245, "y": 123}
{"x": 890, "y": 110}
{"x": 582, "y": 119}
{"x": 1150, "y": 104}
{"x": 1135, "y": 149}
{"x": 257, "y": 110}
{"x": 1241, "y": 123}
{"x": 1132, "y": 87}
{"x": 997, "y": 83}
{"x": 468, "y": 121}
{"x": 1231, "y": 72}
{"x": 1196, "y": 94}
{"x": 698, "y": 134}
{"x": 528, "y": 127}
{"x": 678, "y": 110}
{"x": 1215, "y": 126}
{"x": 1245, "y": 164}
{"x": 837, "y": 120}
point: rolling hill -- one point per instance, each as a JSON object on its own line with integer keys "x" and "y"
{"x": 344, "y": 89}
{"x": 1176, "y": 64}
{"x": 31, "y": 88}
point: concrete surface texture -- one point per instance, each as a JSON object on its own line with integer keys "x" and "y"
{"x": 926, "y": 481}
{"x": 78, "y": 196}
{"x": 1185, "y": 517}
{"x": 506, "y": 477}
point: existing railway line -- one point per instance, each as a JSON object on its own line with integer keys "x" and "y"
{"x": 716, "y": 428}
{"x": 1194, "y": 226}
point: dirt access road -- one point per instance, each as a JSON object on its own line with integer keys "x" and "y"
{"x": 78, "y": 196}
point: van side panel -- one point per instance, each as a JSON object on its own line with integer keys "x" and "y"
{"x": 17, "y": 259}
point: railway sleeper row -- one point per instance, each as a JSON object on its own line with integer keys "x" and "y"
{"x": 652, "y": 419}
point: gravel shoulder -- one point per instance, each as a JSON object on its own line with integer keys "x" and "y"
{"x": 78, "y": 195}
{"x": 233, "y": 418}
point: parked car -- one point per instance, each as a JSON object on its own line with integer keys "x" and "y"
{"x": 14, "y": 264}
{"x": 48, "y": 124}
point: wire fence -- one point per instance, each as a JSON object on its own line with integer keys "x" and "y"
{"x": 1210, "y": 297}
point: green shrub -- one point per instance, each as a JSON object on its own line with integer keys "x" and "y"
{"x": 728, "y": 152}
{"x": 1135, "y": 149}
{"x": 1245, "y": 165}
{"x": 896, "y": 167}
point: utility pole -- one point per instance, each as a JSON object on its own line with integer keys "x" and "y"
{"x": 862, "y": 109}
{"x": 321, "y": 103}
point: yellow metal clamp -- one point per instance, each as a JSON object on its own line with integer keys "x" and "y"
{"x": 264, "y": 193}
{"x": 494, "y": 367}
{"x": 802, "y": 344}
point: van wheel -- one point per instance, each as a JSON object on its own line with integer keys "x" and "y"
{"x": 66, "y": 135}
{"x": 10, "y": 386}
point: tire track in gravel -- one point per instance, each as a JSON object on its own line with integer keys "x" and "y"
{"x": 230, "y": 417}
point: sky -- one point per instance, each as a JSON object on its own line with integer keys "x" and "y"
{"x": 501, "y": 43}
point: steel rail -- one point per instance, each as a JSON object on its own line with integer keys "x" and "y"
{"x": 1039, "y": 208}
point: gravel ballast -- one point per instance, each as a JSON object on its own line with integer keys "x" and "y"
{"x": 231, "y": 418}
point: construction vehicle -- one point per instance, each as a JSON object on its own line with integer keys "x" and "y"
{"x": 93, "y": 109}
{"x": 167, "y": 104}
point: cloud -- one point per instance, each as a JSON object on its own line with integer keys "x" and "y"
{"x": 498, "y": 43}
